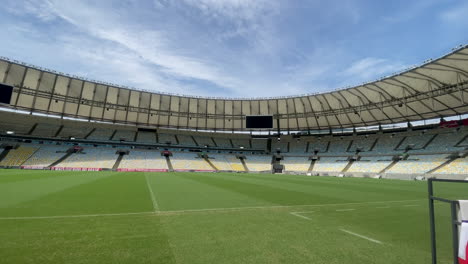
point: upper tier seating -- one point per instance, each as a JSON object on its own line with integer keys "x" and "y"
{"x": 446, "y": 140}
{"x": 363, "y": 143}
{"x": 164, "y": 138}
{"x": 141, "y": 159}
{"x": 68, "y": 132}
{"x": 299, "y": 164}
{"x": 146, "y": 137}
{"x": 204, "y": 141}
{"x": 186, "y": 140}
{"x": 101, "y": 134}
{"x": 91, "y": 158}
{"x": 189, "y": 161}
{"x": 239, "y": 142}
{"x": 297, "y": 146}
{"x": 417, "y": 140}
{"x": 16, "y": 157}
{"x": 259, "y": 143}
{"x": 126, "y": 135}
{"x": 318, "y": 144}
{"x": 20, "y": 128}
{"x": 46, "y": 130}
{"x": 223, "y": 142}
{"x": 281, "y": 145}
{"x": 387, "y": 143}
{"x": 46, "y": 155}
{"x": 339, "y": 146}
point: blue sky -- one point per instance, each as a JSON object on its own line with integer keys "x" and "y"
{"x": 231, "y": 48}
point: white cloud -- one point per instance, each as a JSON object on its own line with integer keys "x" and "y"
{"x": 368, "y": 69}
{"x": 40, "y": 9}
{"x": 152, "y": 45}
{"x": 237, "y": 48}
{"x": 456, "y": 15}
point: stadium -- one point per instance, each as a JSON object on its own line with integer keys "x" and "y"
{"x": 95, "y": 172}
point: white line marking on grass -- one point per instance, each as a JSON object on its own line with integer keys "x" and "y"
{"x": 153, "y": 198}
{"x": 71, "y": 216}
{"x": 281, "y": 206}
{"x": 203, "y": 210}
{"x": 345, "y": 210}
{"x": 301, "y": 216}
{"x": 361, "y": 236}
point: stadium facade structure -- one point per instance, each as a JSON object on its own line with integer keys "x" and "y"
{"x": 55, "y": 111}
{"x": 432, "y": 90}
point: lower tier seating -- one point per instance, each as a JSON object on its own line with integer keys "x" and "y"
{"x": 138, "y": 159}
{"x": 46, "y": 155}
{"x": 16, "y": 157}
{"x": 418, "y": 164}
{"x": 258, "y": 162}
{"x": 189, "y": 161}
{"x": 330, "y": 164}
{"x": 91, "y": 158}
{"x": 458, "y": 166}
{"x": 371, "y": 164}
{"x": 226, "y": 162}
{"x": 299, "y": 164}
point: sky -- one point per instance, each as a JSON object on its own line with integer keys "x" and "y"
{"x": 231, "y": 48}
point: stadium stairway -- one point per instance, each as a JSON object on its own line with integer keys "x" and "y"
{"x": 68, "y": 154}
{"x": 117, "y": 162}
{"x": 169, "y": 164}
{"x": 311, "y": 167}
{"x": 211, "y": 164}
{"x": 4, "y": 153}
{"x": 90, "y": 132}
{"x": 400, "y": 143}
{"x": 374, "y": 144}
{"x": 430, "y": 141}
{"x": 350, "y": 163}
{"x": 389, "y": 166}
{"x": 461, "y": 141}
{"x": 244, "y": 164}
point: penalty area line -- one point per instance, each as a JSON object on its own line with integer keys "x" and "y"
{"x": 227, "y": 209}
{"x": 361, "y": 236}
{"x": 298, "y": 214}
{"x": 280, "y": 206}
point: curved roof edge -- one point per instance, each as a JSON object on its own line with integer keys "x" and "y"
{"x": 417, "y": 66}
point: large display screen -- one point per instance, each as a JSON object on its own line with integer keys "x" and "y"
{"x": 5, "y": 93}
{"x": 259, "y": 122}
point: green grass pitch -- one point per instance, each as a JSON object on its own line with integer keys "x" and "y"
{"x": 109, "y": 217}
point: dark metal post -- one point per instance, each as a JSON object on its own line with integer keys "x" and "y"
{"x": 454, "y": 231}
{"x": 432, "y": 221}
{"x": 455, "y": 223}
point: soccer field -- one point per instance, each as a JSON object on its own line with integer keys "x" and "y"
{"x": 109, "y": 217}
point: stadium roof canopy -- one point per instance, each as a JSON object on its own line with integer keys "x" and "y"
{"x": 437, "y": 88}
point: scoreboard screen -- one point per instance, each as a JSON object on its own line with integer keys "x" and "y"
{"x": 5, "y": 93}
{"x": 259, "y": 122}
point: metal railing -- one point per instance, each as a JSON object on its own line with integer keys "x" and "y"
{"x": 454, "y": 220}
